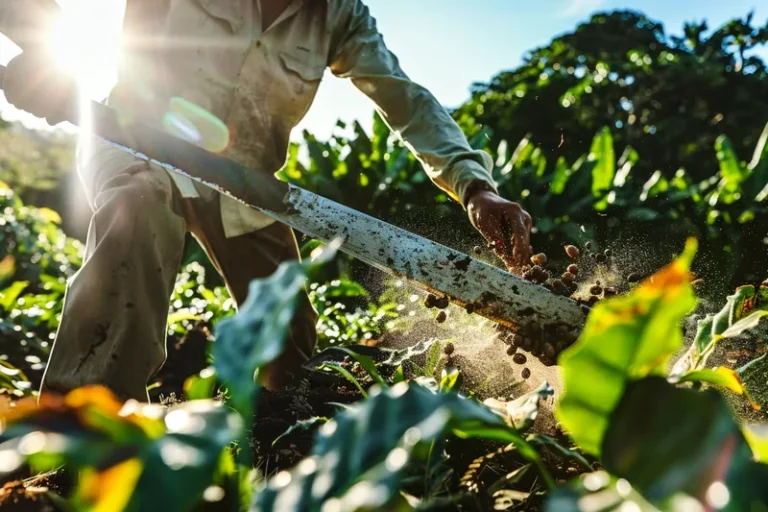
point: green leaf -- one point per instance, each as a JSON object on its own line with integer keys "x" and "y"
{"x": 9, "y": 295}
{"x": 540, "y": 441}
{"x": 626, "y": 337}
{"x": 721, "y": 376}
{"x": 399, "y": 375}
{"x": 200, "y": 386}
{"x": 660, "y": 457}
{"x": 728, "y": 322}
{"x": 754, "y": 376}
{"x": 344, "y": 373}
{"x": 367, "y": 363}
{"x": 605, "y": 165}
{"x": 300, "y": 426}
{"x": 433, "y": 358}
{"x": 450, "y": 379}
{"x": 358, "y": 458}
{"x": 732, "y": 173}
{"x": 255, "y": 336}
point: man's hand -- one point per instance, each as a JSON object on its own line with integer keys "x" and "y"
{"x": 32, "y": 83}
{"x": 504, "y": 224}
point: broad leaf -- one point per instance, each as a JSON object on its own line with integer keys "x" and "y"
{"x": 359, "y": 457}
{"x": 721, "y": 376}
{"x": 624, "y": 338}
{"x": 729, "y": 322}
{"x": 605, "y": 165}
{"x": 255, "y": 336}
{"x": 660, "y": 457}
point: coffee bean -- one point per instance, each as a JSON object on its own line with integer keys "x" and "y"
{"x": 572, "y": 251}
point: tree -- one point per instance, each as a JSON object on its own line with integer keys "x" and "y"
{"x": 669, "y": 97}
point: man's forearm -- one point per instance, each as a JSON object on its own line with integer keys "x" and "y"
{"x": 26, "y": 22}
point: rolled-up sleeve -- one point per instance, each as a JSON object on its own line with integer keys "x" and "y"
{"x": 410, "y": 110}
{"x": 26, "y": 22}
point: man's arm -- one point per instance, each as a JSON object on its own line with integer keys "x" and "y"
{"x": 359, "y": 53}
{"x": 27, "y": 22}
{"x": 409, "y": 109}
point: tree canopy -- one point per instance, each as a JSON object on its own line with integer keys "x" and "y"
{"x": 668, "y": 96}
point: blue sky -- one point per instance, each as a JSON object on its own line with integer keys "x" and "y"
{"x": 446, "y": 45}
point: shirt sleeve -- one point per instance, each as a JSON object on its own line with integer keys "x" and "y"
{"x": 25, "y": 22}
{"x": 410, "y": 110}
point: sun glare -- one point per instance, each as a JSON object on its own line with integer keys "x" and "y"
{"x": 86, "y": 41}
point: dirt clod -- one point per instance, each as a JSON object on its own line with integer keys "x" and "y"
{"x": 572, "y": 251}
{"x": 511, "y": 350}
{"x": 441, "y": 302}
{"x": 549, "y": 351}
{"x": 526, "y": 373}
{"x": 596, "y": 289}
{"x": 430, "y": 301}
{"x": 478, "y": 249}
{"x": 567, "y": 277}
{"x": 441, "y": 316}
{"x": 448, "y": 348}
{"x": 601, "y": 258}
{"x": 519, "y": 358}
{"x": 633, "y": 277}
{"x": 573, "y": 269}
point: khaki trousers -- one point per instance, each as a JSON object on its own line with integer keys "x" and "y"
{"x": 113, "y": 327}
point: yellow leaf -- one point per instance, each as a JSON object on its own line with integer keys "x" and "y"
{"x": 7, "y": 266}
{"x": 757, "y": 439}
{"x": 720, "y": 376}
{"x": 109, "y": 490}
{"x": 49, "y": 215}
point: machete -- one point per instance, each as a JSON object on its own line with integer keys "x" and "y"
{"x": 485, "y": 289}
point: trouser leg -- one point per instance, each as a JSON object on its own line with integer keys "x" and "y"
{"x": 113, "y": 325}
{"x": 255, "y": 255}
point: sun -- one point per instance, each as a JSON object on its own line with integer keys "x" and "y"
{"x": 86, "y": 41}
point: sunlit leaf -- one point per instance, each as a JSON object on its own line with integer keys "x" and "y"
{"x": 721, "y": 376}
{"x": 49, "y": 215}
{"x": 367, "y": 363}
{"x": 728, "y": 322}
{"x": 605, "y": 165}
{"x": 200, "y": 386}
{"x": 300, "y": 426}
{"x": 109, "y": 490}
{"x": 625, "y": 338}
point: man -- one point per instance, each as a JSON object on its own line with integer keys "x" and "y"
{"x": 256, "y": 65}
